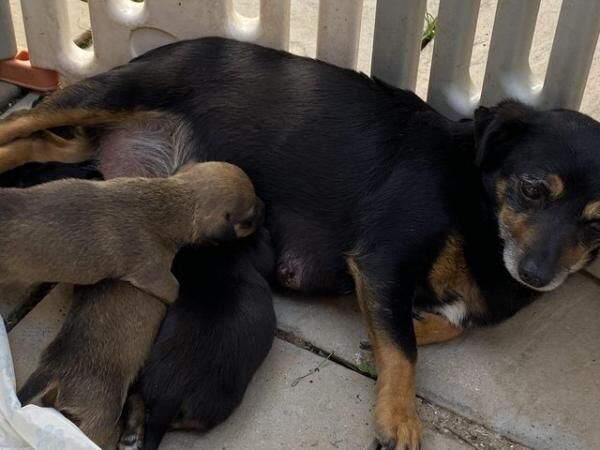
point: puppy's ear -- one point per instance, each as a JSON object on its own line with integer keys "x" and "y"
{"x": 496, "y": 128}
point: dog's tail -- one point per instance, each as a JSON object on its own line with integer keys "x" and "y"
{"x": 158, "y": 423}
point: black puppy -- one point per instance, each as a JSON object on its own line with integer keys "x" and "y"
{"x": 211, "y": 342}
{"x": 365, "y": 186}
{"x": 34, "y": 173}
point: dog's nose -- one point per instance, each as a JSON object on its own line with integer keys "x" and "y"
{"x": 533, "y": 274}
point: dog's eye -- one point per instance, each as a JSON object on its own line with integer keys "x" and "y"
{"x": 532, "y": 190}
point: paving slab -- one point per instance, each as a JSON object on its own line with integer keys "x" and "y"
{"x": 533, "y": 378}
{"x": 333, "y": 324}
{"x": 36, "y": 330}
{"x": 8, "y": 92}
{"x": 12, "y": 298}
{"x": 286, "y": 409}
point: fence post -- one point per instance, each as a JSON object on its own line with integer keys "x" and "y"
{"x": 397, "y": 41}
{"x": 8, "y": 45}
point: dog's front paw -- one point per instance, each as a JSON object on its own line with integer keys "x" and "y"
{"x": 399, "y": 431}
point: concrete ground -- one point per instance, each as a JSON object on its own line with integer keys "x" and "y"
{"x": 531, "y": 382}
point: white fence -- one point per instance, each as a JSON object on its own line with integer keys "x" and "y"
{"x": 123, "y": 29}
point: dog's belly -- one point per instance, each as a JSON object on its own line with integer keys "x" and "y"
{"x": 309, "y": 255}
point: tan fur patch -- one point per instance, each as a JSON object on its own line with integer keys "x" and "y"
{"x": 501, "y": 188}
{"x": 575, "y": 257}
{"x": 395, "y": 412}
{"x": 555, "y": 185}
{"x": 517, "y": 225}
{"x": 450, "y": 274}
{"x": 592, "y": 210}
{"x": 23, "y": 137}
{"x": 43, "y": 146}
{"x": 434, "y": 329}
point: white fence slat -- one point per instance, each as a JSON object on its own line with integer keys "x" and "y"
{"x": 339, "y": 31}
{"x": 47, "y": 28}
{"x": 123, "y": 29}
{"x": 572, "y": 54}
{"x": 397, "y": 41}
{"x": 8, "y": 45}
{"x": 508, "y": 73}
{"x": 451, "y": 90}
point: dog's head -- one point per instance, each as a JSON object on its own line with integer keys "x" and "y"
{"x": 541, "y": 170}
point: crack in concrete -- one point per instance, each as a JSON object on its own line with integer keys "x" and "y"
{"x": 436, "y": 417}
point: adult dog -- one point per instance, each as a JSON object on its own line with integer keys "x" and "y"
{"x": 366, "y": 187}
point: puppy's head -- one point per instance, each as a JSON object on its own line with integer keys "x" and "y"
{"x": 227, "y": 205}
{"x": 541, "y": 171}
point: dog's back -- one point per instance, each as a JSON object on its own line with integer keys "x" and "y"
{"x": 213, "y": 338}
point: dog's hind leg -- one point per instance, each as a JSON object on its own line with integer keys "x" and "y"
{"x": 158, "y": 423}
{"x": 21, "y": 125}
{"x": 43, "y": 146}
{"x": 133, "y": 433}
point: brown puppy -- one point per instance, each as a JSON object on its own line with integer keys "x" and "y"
{"x": 81, "y": 231}
{"x": 86, "y": 371}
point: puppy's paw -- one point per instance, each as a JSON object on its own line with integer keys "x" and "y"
{"x": 132, "y": 439}
{"x": 290, "y": 272}
{"x": 400, "y": 432}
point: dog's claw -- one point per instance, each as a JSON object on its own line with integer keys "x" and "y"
{"x": 390, "y": 445}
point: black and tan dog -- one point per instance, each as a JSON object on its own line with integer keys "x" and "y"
{"x": 366, "y": 187}
{"x": 81, "y": 232}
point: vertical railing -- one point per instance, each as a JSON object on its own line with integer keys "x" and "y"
{"x": 123, "y": 29}
{"x": 339, "y": 32}
{"x": 508, "y": 73}
{"x": 397, "y": 41}
{"x": 451, "y": 90}
{"x": 8, "y": 45}
{"x": 572, "y": 54}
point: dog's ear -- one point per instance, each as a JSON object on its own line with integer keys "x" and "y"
{"x": 495, "y": 128}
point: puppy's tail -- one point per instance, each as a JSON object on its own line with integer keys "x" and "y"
{"x": 158, "y": 423}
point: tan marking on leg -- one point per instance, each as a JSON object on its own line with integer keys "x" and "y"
{"x": 36, "y": 121}
{"x": 189, "y": 424}
{"x": 43, "y": 118}
{"x": 395, "y": 411}
{"x": 433, "y": 329}
{"x": 43, "y": 146}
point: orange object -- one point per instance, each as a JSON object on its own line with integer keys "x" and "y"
{"x": 18, "y": 70}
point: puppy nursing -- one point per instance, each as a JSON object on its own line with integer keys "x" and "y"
{"x": 86, "y": 371}
{"x": 135, "y": 225}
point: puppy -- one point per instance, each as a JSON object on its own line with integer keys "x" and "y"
{"x": 34, "y": 173}
{"x": 211, "y": 342}
{"x": 135, "y": 226}
{"x": 86, "y": 371}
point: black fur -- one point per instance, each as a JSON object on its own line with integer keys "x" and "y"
{"x": 34, "y": 173}
{"x": 214, "y": 337}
